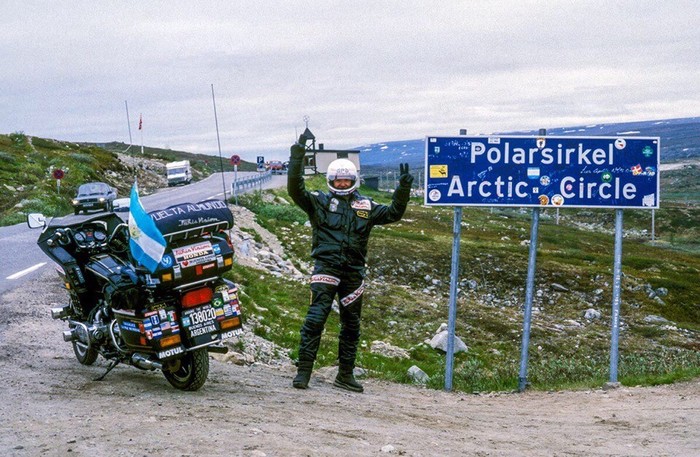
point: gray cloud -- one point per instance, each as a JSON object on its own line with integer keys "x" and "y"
{"x": 363, "y": 71}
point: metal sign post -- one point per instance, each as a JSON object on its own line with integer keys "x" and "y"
{"x": 452, "y": 307}
{"x": 529, "y": 291}
{"x": 617, "y": 275}
{"x": 452, "y": 316}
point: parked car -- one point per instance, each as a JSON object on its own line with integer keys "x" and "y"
{"x": 94, "y": 195}
{"x": 277, "y": 167}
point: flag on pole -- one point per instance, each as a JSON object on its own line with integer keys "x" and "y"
{"x": 146, "y": 242}
{"x": 140, "y": 121}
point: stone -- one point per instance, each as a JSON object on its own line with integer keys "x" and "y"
{"x": 558, "y": 287}
{"x": 591, "y": 314}
{"x": 439, "y": 341}
{"x": 652, "y": 319}
{"x": 417, "y": 375}
{"x": 388, "y": 350}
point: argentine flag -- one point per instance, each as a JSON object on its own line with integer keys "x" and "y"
{"x": 146, "y": 242}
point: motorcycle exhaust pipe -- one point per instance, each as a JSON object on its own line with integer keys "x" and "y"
{"x": 60, "y": 313}
{"x": 218, "y": 349}
{"x": 140, "y": 361}
{"x": 69, "y": 335}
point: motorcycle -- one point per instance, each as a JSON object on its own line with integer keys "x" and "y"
{"x": 168, "y": 320}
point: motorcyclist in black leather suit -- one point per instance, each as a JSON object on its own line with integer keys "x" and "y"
{"x": 341, "y": 222}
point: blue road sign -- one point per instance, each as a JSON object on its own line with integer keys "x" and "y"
{"x": 545, "y": 171}
{"x": 261, "y": 163}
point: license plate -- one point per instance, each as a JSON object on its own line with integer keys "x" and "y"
{"x": 88, "y": 204}
{"x": 200, "y": 321}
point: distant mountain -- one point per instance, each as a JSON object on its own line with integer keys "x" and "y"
{"x": 680, "y": 140}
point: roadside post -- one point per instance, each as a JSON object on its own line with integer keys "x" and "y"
{"x": 235, "y": 161}
{"x": 58, "y": 175}
{"x": 544, "y": 172}
{"x": 261, "y": 168}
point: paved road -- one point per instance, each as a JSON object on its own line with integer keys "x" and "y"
{"x": 21, "y": 259}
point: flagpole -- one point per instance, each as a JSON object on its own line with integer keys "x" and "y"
{"x": 221, "y": 162}
{"x": 141, "y": 128}
{"x": 128, "y": 124}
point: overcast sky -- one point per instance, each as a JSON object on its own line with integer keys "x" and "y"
{"x": 362, "y": 71}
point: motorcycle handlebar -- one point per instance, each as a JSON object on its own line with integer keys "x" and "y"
{"x": 57, "y": 235}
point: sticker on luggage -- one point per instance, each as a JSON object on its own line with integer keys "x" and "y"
{"x": 194, "y": 254}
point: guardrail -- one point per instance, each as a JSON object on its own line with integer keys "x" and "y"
{"x": 250, "y": 181}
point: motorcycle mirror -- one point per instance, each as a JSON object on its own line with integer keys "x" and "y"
{"x": 36, "y": 220}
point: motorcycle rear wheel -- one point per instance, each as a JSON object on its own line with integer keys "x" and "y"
{"x": 84, "y": 355}
{"x": 190, "y": 372}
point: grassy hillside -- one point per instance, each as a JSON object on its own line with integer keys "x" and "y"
{"x": 27, "y": 164}
{"x": 26, "y": 167}
{"x": 407, "y": 297}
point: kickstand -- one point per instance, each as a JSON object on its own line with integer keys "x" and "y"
{"x": 112, "y": 364}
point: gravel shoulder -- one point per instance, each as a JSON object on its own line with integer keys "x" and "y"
{"x": 50, "y": 405}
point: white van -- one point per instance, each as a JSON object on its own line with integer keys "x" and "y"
{"x": 178, "y": 172}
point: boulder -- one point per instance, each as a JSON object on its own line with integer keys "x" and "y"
{"x": 417, "y": 375}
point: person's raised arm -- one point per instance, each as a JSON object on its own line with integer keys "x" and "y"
{"x": 383, "y": 214}
{"x": 295, "y": 175}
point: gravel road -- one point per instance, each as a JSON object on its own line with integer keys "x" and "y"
{"x": 51, "y": 406}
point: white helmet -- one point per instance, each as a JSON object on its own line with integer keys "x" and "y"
{"x": 342, "y": 169}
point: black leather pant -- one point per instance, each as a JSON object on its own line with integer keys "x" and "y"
{"x": 326, "y": 283}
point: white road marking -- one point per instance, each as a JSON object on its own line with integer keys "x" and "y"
{"x": 19, "y": 274}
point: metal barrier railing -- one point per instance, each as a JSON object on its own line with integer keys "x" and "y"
{"x": 249, "y": 182}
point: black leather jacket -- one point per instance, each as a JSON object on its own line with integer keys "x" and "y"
{"x": 341, "y": 224}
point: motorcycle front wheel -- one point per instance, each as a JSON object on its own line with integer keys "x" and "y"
{"x": 189, "y": 372}
{"x": 84, "y": 355}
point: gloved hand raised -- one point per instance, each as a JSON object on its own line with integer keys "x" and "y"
{"x": 298, "y": 149}
{"x": 405, "y": 178}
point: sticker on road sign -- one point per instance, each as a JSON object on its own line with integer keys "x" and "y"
{"x": 438, "y": 171}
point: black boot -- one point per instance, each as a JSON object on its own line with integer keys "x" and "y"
{"x": 346, "y": 380}
{"x": 301, "y": 380}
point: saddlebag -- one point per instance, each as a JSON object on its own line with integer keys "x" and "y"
{"x": 155, "y": 329}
